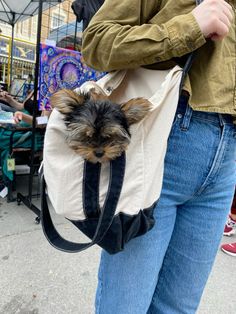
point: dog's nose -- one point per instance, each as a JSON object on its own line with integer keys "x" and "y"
{"x": 99, "y": 153}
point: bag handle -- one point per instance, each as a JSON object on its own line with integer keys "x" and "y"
{"x": 117, "y": 171}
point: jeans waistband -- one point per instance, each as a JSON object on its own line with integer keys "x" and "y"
{"x": 211, "y": 117}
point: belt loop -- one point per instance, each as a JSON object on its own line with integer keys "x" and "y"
{"x": 221, "y": 120}
{"x": 187, "y": 118}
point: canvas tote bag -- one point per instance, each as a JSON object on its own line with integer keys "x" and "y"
{"x": 112, "y": 202}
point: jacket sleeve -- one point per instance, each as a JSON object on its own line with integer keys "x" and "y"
{"x": 119, "y": 37}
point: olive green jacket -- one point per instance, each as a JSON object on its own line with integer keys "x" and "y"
{"x": 132, "y": 33}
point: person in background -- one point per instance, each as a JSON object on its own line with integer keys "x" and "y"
{"x": 14, "y": 105}
{"x": 230, "y": 229}
{"x": 23, "y": 117}
{"x": 165, "y": 271}
{"x": 4, "y": 101}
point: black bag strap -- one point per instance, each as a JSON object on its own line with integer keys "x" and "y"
{"x": 117, "y": 171}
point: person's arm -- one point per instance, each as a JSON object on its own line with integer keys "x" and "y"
{"x": 119, "y": 37}
{"x": 20, "y": 116}
{"x": 11, "y": 101}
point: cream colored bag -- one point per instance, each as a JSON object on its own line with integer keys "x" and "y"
{"x": 113, "y": 204}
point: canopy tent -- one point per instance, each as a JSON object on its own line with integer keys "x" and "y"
{"x": 12, "y": 11}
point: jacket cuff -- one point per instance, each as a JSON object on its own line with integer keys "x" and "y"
{"x": 185, "y": 34}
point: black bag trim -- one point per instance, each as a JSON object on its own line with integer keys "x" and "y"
{"x": 91, "y": 189}
{"x": 124, "y": 227}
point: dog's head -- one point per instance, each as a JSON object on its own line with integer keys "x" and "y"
{"x": 98, "y": 129}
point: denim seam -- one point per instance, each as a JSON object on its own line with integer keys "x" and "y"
{"x": 226, "y": 146}
{"x": 191, "y": 259}
{"x": 214, "y": 171}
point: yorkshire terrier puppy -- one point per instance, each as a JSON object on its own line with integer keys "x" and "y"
{"x": 98, "y": 129}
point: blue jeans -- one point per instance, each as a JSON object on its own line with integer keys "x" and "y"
{"x": 165, "y": 271}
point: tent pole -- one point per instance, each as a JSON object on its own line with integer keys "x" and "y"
{"x": 12, "y": 46}
{"x": 36, "y": 85}
{"x": 40, "y": 14}
{"x": 27, "y": 200}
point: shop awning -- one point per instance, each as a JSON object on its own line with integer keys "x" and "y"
{"x": 13, "y": 11}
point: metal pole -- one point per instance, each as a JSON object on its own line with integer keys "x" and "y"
{"x": 37, "y": 65}
{"x": 9, "y": 65}
{"x": 36, "y": 85}
{"x": 12, "y": 45}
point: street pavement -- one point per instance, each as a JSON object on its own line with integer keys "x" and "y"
{"x": 37, "y": 279}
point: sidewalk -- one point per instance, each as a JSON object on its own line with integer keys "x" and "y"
{"x": 37, "y": 279}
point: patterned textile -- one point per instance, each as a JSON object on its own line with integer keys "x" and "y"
{"x": 62, "y": 68}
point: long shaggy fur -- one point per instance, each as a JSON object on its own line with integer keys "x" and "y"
{"x": 98, "y": 129}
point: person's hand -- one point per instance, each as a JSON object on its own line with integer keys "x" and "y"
{"x": 18, "y": 116}
{"x": 5, "y": 96}
{"x": 214, "y": 18}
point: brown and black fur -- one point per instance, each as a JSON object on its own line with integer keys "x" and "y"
{"x": 98, "y": 129}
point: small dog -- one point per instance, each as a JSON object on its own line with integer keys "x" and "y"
{"x": 98, "y": 129}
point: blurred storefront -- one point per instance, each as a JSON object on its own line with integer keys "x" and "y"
{"x": 24, "y": 54}
{"x": 59, "y": 28}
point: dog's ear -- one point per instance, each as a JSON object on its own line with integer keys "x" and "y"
{"x": 66, "y": 100}
{"x": 136, "y": 109}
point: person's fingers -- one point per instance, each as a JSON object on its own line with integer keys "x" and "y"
{"x": 226, "y": 5}
{"x": 225, "y": 19}
{"x": 214, "y": 18}
{"x": 220, "y": 25}
{"x": 221, "y": 28}
{"x": 227, "y": 11}
{"x": 16, "y": 120}
{"x": 224, "y": 12}
{"x": 18, "y": 117}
